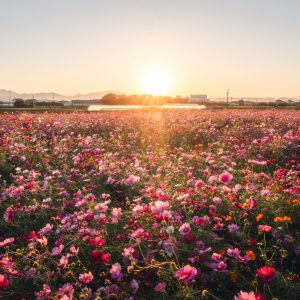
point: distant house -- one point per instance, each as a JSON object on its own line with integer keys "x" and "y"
{"x": 198, "y": 99}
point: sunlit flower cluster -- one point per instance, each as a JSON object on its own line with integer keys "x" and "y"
{"x": 150, "y": 205}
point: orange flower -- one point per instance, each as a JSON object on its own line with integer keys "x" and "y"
{"x": 259, "y": 217}
{"x": 282, "y": 219}
{"x": 251, "y": 254}
{"x": 228, "y": 218}
{"x": 296, "y": 201}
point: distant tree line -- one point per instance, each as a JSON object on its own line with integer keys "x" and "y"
{"x": 20, "y": 103}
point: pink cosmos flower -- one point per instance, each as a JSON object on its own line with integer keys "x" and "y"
{"x": 219, "y": 266}
{"x": 266, "y": 273}
{"x": 225, "y": 178}
{"x": 57, "y": 250}
{"x": 7, "y": 241}
{"x": 115, "y": 271}
{"x": 63, "y": 262}
{"x": 233, "y": 252}
{"x": 186, "y": 274}
{"x": 65, "y": 292}
{"x": 86, "y": 277}
{"x": 116, "y": 213}
{"x": 46, "y": 229}
{"x": 185, "y": 229}
{"x": 127, "y": 252}
{"x": 233, "y": 227}
{"x": 169, "y": 245}
{"x": 44, "y": 294}
{"x": 245, "y": 296}
{"x": 134, "y": 285}
{"x": 159, "y": 206}
{"x": 160, "y": 287}
{"x": 264, "y": 228}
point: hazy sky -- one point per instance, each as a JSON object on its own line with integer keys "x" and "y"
{"x": 207, "y": 46}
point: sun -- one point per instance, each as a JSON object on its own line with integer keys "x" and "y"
{"x": 156, "y": 81}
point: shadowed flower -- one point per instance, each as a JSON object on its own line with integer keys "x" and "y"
{"x": 98, "y": 257}
{"x": 160, "y": 287}
{"x": 3, "y": 281}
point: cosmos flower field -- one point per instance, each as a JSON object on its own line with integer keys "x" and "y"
{"x": 150, "y": 205}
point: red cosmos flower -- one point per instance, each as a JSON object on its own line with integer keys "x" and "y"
{"x": 103, "y": 221}
{"x": 3, "y": 281}
{"x": 30, "y": 236}
{"x": 266, "y": 274}
{"x": 97, "y": 241}
{"x": 99, "y": 257}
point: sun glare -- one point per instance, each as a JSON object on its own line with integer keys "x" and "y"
{"x": 155, "y": 81}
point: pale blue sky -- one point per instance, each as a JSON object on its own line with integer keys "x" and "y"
{"x": 70, "y": 46}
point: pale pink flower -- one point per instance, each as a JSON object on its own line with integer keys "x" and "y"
{"x": 185, "y": 229}
{"x": 115, "y": 271}
{"x": 116, "y": 213}
{"x": 57, "y": 250}
{"x": 7, "y": 241}
{"x": 64, "y": 261}
{"x": 159, "y": 206}
{"x": 46, "y": 229}
{"x": 86, "y": 277}
{"x": 245, "y": 296}
{"x": 127, "y": 252}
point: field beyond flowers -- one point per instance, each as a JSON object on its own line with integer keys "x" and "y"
{"x": 150, "y": 205}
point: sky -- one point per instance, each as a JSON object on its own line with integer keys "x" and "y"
{"x": 251, "y": 47}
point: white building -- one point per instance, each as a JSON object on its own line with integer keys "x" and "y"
{"x": 198, "y": 99}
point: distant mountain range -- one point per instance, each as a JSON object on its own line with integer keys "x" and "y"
{"x": 5, "y": 95}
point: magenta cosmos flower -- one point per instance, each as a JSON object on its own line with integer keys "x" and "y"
{"x": 186, "y": 274}
{"x": 3, "y": 281}
{"x": 266, "y": 274}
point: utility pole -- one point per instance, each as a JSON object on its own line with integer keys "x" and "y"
{"x": 9, "y": 96}
{"x": 227, "y": 96}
